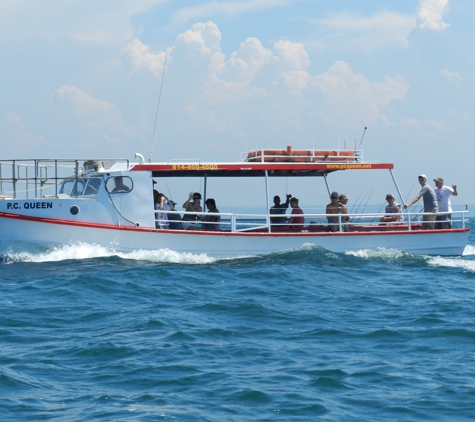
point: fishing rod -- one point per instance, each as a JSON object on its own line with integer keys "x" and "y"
{"x": 405, "y": 199}
{"x": 379, "y": 211}
{"x": 158, "y": 106}
{"x": 359, "y": 205}
{"x": 369, "y": 196}
{"x": 362, "y": 136}
{"x": 353, "y": 207}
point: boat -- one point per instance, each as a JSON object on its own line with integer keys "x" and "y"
{"x": 109, "y": 202}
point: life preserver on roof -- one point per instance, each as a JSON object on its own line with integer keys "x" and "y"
{"x": 302, "y": 156}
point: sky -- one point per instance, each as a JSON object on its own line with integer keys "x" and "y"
{"x": 84, "y": 79}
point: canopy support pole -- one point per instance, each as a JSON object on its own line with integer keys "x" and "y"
{"x": 267, "y": 200}
{"x": 205, "y": 185}
{"x": 326, "y": 183}
{"x": 403, "y": 201}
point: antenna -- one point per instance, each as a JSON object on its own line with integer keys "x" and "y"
{"x": 158, "y": 106}
{"x": 362, "y": 136}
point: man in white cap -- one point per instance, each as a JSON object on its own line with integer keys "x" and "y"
{"x": 443, "y": 194}
{"x": 430, "y": 203}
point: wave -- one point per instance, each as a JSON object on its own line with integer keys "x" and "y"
{"x": 469, "y": 250}
{"x": 439, "y": 261}
{"x": 82, "y": 251}
{"x": 391, "y": 254}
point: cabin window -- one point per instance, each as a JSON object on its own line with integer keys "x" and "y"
{"x": 80, "y": 187}
{"x": 68, "y": 186}
{"x": 92, "y": 186}
{"x": 119, "y": 184}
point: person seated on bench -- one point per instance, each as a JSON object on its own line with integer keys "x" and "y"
{"x": 211, "y": 222}
{"x": 296, "y": 220}
{"x": 192, "y": 204}
{"x": 392, "y": 208}
{"x": 334, "y": 207}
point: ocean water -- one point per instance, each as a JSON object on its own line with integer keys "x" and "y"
{"x": 305, "y": 335}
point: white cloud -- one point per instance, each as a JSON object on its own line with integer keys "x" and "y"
{"x": 431, "y": 13}
{"x": 83, "y": 103}
{"x": 229, "y": 8}
{"x": 450, "y": 76}
{"x": 96, "y": 113}
{"x": 293, "y": 54}
{"x": 463, "y": 116}
{"x": 86, "y": 21}
{"x": 16, "y": 133}
{"x": 142, "y": 58}
{"x": 14, "y": 119}
{"x": 381, "y": 29}
{"x": 410, "y": 121}
{"x": 275, "y": 84}
{"x": 350, "y": 96}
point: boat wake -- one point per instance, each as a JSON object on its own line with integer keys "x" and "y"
{"x": 81, "y": 251}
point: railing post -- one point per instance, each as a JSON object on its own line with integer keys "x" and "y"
{"x": 233, "y": 222}
{"x": 14, "y": 179}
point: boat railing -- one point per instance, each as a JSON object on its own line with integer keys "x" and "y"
{"x": 36, "y": 178}
{"x": 251, "y": 222}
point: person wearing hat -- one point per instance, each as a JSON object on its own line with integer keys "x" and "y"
{"x": 443, "y": 194}
{"x": 334, "y": 207}
{"x": 392, "y": 208}
{"x": 430, "y": 203}
{"x": 174, "y": 219}
{"x": 343, "y": 200}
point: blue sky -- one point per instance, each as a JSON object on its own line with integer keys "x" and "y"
{"x": 82, "y": 79}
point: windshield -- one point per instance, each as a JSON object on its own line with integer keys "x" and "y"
{"x": 81, "y": 187}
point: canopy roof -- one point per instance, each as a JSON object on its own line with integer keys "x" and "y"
{"x": 246, "y": 169}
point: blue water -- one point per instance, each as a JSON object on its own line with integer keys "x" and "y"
{"x": 306, "y": 335}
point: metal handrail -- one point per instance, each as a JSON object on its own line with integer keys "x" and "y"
{"x": 261, "y": 221}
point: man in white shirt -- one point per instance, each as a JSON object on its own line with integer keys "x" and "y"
{"x": 443, "y": 194}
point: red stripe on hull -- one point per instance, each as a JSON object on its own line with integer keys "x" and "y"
{"x": 219, "y": 233}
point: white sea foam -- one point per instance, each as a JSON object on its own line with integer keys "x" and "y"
{"x": 167, "y": 255}
{"x": 469, "y": 250}
{"x": 78, "y": 251}
{"x": 439, "y": 261}
{"x": 378, "y": 253}
{"x": 60, "y": 253}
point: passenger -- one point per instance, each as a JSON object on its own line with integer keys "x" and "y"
{"x": 120, "y": 187}
{"x": 162, "y": 217}
{"x": 296, "y": 220}
{"x": 333, "y": 207}
{"x": 211, "y": 222}
{"x": 174, "y": 219}
{"x": 443, "y": 194}
{"x": 392, "y": 208}
{"x": 192, "y": 204}
{"x": 343, "y": 200}
{"x": 279, "y": 209}
{"x": 156, "y": 204}
{"x": 430, "y": 203}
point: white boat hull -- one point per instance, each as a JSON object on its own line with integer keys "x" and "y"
{"x": 226, "y": 244}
